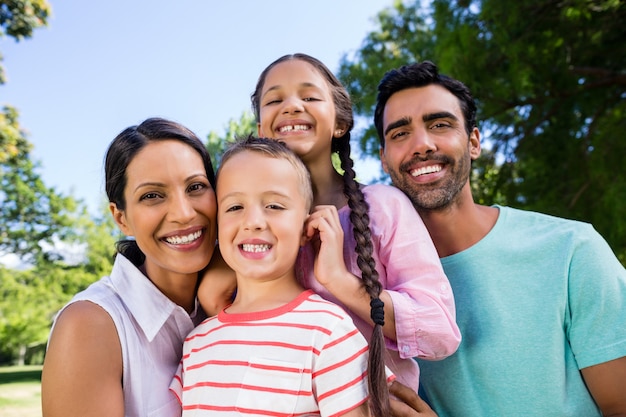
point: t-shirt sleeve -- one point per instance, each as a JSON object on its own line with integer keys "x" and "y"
{"x": 597, "y": 301}
{"x": 340, "y": 373}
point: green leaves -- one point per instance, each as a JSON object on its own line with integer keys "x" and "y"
{"x": 549, "y": 78}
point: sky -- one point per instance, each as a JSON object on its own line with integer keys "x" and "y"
{"x": 101, "y": 66}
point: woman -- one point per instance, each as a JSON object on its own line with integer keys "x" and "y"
{"x": 114, "y": 348}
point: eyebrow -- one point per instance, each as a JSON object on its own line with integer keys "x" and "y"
{"x": 161, "y": 184}
{"x": 302, "y": 85}
{"x": 439, "y": 115}
{"x": 405, "y": 121}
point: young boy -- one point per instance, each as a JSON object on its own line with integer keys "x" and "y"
{"x": 278, "y": 349}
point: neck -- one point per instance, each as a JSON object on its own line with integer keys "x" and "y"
{"x": 181, "y": 289}
{"x": 327, "y": 185}
{"x": 253, "y": 295}
{"x": 460, "y": 225}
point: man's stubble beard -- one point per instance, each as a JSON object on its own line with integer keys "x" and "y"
{"x": 434, "y": 196}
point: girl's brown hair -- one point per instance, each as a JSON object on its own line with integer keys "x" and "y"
{"x": 359, "y": 217}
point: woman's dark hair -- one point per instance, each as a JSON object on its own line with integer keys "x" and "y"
{"x": 123, "y": 150}
{"x": 421, "y": 75}
{"x": 359, "y": 217}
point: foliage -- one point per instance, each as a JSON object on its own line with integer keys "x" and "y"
{"x": 550, "y": 81}
{"x": 18, "y": 19}
{"x": 216, "y": 144}
{"x": 30, "y": 212}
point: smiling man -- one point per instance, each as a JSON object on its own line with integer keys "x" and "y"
{"x": 540, "y": 300}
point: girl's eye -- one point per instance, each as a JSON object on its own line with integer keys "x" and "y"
{"x": 310, "y": 99}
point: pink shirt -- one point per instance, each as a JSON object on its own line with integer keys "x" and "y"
{"x": 410, "y": 271}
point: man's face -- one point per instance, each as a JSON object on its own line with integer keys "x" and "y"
{"x": 427, "y": 151}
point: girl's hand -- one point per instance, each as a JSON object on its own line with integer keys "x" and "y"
{"x": 324, "y": 230}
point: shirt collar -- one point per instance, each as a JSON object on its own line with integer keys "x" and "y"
{"x": 148, "y": 305}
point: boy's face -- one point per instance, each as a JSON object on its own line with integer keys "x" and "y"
{"x": 261, "y": 215}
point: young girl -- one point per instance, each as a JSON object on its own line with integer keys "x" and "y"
{"x": 114, "y": 348}
{"x": 389, "y": 256}
{"x": 278, "y": 349}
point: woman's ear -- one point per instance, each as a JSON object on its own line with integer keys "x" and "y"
{"x": 120, "y": 219}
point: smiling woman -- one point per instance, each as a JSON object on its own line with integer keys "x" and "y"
{"x": 114, "y": 348}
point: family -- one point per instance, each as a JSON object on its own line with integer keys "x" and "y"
{"x": 278, "y": 286}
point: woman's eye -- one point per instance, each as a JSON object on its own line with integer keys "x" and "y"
{"x": 149, "y": 196}
{"x": 197, "y": 186}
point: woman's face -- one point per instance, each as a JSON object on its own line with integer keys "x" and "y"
{"x": 296, "y": 106}
{"x": 170, "y": 210}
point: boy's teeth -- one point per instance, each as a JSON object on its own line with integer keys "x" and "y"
{"x": 247, "y": 247}
{"x": 181, "y": 240}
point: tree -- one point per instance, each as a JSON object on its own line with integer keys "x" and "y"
{"x": 550, "y": 80}
{"x": 30, "y": 212}
{"x": 18, "y": 19}
{"x": 216, "y": 144}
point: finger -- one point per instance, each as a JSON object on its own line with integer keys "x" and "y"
{"x": 409, "y": 397}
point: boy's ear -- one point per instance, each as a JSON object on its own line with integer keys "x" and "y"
{"x": 304, "y": 238}
{"x": 120, "y": 219}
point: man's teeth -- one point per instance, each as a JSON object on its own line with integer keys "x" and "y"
{"x": 293, "y": 127}
{"x": 181, "y": 240}
{"x": 426, "y": 170}
{"x": 247, "y": 247}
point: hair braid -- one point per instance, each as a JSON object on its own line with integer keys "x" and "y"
{"x": 359, "y": 217}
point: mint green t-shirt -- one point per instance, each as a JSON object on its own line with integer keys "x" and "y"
{"x": 537, "y": 299}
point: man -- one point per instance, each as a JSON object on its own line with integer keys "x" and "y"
{"x": 541, "y": 301}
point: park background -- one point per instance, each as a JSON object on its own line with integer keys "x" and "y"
{"x": 549, "y": 77}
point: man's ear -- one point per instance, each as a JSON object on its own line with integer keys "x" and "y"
{"x": 474, "y": 144}
{"x": 381, "y": 152}
{"x": 120, "y": 219}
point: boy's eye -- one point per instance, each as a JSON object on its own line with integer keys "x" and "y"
{"x": 275, "y": 207}
{"x": 233, "y": 208}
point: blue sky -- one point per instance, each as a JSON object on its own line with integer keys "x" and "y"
{"x": 101, "y": 66}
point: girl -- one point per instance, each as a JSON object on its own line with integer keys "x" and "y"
{"x": 389, "y": 257}
{"x": 114, "y": 348}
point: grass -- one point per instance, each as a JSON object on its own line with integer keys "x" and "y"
{"x": 20, "y": 391}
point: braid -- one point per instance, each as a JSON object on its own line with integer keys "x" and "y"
{"x": 359, "y": 217}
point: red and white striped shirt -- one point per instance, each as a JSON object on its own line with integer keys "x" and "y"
{"x": 305, "y": 358}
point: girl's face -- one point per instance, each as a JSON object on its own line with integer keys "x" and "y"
{"x": 261, "y": 216}
{"x": 170, "y": 209}
{"x": 296, "y": 106}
